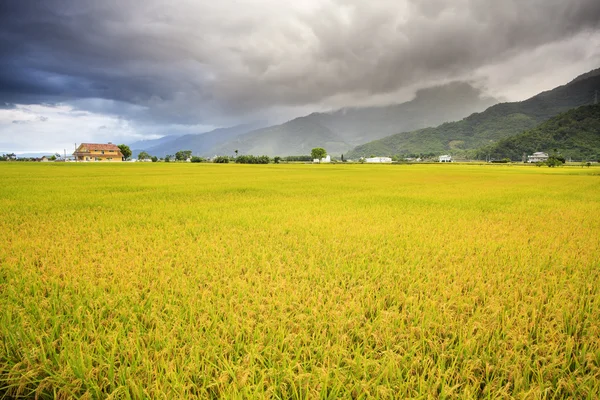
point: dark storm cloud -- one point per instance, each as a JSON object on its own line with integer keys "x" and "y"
{"x": 204, "y": 61}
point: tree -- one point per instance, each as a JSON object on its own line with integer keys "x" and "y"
{"x": 221, "y": 160}
{"x": 554, "y": 162}
{"x": 183, "y": 155}
{"x": 154, "y": 159}
{"x": 276, "y": 159}
{"x": 236, "y": 152}
{"x": 168, "y": 157}
{"x": 343, "y": 158}
{"x": 318, "y": 153}
{"x": 125, "y": 150}
{"x": 143, "y": 155}
{"x": 196, "y": 159}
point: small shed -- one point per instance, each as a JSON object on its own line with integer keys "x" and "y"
{"x": 323, "y": 160}
{"x": 445, "y": 158}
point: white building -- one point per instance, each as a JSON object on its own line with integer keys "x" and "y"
{"x": 322, "y": 160}
{"x": 445, "y": 158}
{"x": 537, "y": 157}
{"x": 378, "y": 160}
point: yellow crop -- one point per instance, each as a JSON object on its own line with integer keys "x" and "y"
{"x": 169, "y": 281}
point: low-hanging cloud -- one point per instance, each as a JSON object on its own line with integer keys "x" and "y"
{"x": 206, "y": 62}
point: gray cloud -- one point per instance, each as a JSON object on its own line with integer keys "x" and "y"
{"x": 205, "y": 62}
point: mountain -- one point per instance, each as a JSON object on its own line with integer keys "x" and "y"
{"x": 298, "y": 136}
{"x": 343, "y": 129}
{"x": 482, "y": 129}
{"x": 201, "y": 144}
{"x": 140, "y": 145}
{"x": 575, "y": 134}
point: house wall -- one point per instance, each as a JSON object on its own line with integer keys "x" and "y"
{"x": 98, "y": 155}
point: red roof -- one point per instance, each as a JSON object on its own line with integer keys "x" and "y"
{"x": 100, "y": 146}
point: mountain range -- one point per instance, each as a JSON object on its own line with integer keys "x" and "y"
{"x": 419, "y": 126}
{"x": 337, "y": 131}
{"x": 200, "y": 144}
{"x": 483, "y": 129}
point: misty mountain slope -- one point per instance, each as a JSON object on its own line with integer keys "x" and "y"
{"x": 297, "y": 136}
{"x": 343, "y": 129}
{"x": 482, "y": 129}
{"x": 201, "y": 143}
{"x": 575, "y": 134}
{"x": 430, "y": 107}
{"x": 140, "y": 145}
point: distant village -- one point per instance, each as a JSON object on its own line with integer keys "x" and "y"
{"x": 109, "y": 152}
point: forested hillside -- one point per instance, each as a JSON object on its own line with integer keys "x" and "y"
{"x": 575, "y": 134}
{"x": 494, "y": 124}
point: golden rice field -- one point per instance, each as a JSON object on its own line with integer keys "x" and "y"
{"x": 170, "y": 281}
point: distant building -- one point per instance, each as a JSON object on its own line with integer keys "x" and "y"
{"x": 445, "y": 158}
{"x": 324, "y": 160}
{"x": 378, "y": 160}
{"x": 537, "y": 157}
{"x": 44, "y": 159}
{"x": 98, "y": 152}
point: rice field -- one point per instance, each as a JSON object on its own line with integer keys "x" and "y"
{"x": 170, "y": 281}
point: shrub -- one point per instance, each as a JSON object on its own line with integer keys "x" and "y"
{"x": 221, "y": 160}
{"x": 250, "y": 159}
{"x": 555, "y": 162}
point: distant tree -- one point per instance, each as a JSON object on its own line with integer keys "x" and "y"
{"x": 221, "y": 160}
{"x": 196, "y": 159}
{"x": 143, "y": 155}
{"x": 298, "y": 158}
{"x": 236, "y": 152}
{"x": 343, "y": 158}
{"x": 276, "y": 159}
{"x": 318, "y": 153}
{"x": 154, "y": 159}
{"x": 168, "y": 157}
{"x": 250, "y": 159}
{"x": 183, "y": 155}
{"x": 554, "y": 162}
{"x": 125, "y": 150}
{"x": 53, "y": 158}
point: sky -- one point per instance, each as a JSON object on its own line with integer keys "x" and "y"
{"x": 75, "y": 71}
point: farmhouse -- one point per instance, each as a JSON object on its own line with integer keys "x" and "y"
{"x": 445, "y": 158}
{"x": 98, "y": 152}
{"x": 537, "y": 157}
{"x": 378, "y": 160}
